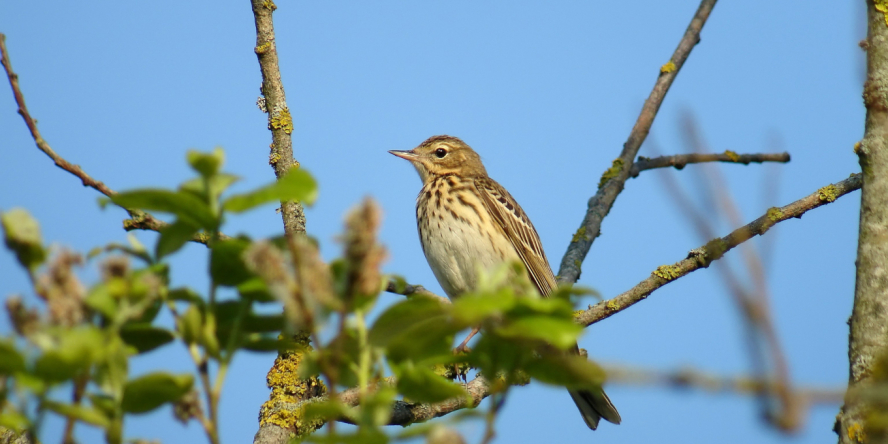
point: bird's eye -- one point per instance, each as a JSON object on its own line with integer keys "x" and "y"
{"x": 440, "y": 152}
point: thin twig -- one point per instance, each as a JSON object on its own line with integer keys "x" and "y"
{"x": 35, "y": 133}
{"x": 140, "y": 220}
{"x": 601, "y": 203}
{"x": 690, "y": 378}
{"x": 715, "y": 249}
{"x": 765, "y": 347}
{"x": 680, "y": 160}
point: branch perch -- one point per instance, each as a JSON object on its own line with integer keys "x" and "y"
{"x": 715, "y": 249}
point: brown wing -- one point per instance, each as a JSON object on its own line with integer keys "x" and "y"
{"x": 511, "y": 218}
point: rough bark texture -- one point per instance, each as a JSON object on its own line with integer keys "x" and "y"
{"x": 280, "y": 122}
{"x": 277, "y": 422}
{"x": 869, "y": 318}
{"x": 9, "y": 437}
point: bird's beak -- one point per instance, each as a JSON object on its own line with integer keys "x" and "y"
{"x": 409, "y": 155}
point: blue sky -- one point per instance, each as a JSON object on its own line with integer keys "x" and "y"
{"x": 546, "y": 92}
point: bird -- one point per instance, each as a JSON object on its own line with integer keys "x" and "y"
{"x": 467, "y": 221}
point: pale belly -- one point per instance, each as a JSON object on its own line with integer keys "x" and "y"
{"x": 458, "y": 252}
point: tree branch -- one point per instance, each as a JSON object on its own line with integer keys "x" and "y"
{"x": 614, "y": 179}
{"x": 680, "y": 160}
{"x": 35, "y": 133}
{"x": 274, "y": 102}
{"x": 140, "y": 220}
{"x": 690, "y": 378}
{"x": 863, "y": 420}
{"x": 715, "y": 249}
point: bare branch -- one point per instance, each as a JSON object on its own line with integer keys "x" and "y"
{"x": 779, "y": 404}
{"x": 680, "y": 160}
{"x": 35, "y": 133}
{"x": 280, "y": 121}
{"x": 690, "y": 378}
{"x": 140, "y": 220}
{"x": 715, "y": 249}
{"x": 615, "y": 178}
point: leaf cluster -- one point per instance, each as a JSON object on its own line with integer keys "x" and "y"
{"x": 82, "y": 339}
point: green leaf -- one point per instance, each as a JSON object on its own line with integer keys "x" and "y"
{"x": 103, "y": 403}
{"x": 149, "y": 392}
{"x": 77, "y": 349}
{"x": 473, "y": 309}
{"x": 254, "y": 323}
{"x": 101, "y": 300}
{"x": 145, "y": 337}
{"x": 226, "y": 314}
{"x": 403, "y": 315}
{"x": 207, "y": 164}
{"x": 11, "y": 361}
{"x": 190, "y": 324}
{"x": 14, "y": 420}
{"x": 417, "y": 329}
{"x": 22, "y": 235}
{"x": 255, "y": 290}
{"x": 376, "y": 407}
{"x": 429, "y": 338}
{"x": 296, "y": 185}
{"x": 421, "y": 384}
{"x": 328, "y": 410}
{"x": 173, "y": 237}
{"x": 361, "y": 436}
{"x": 259, "y": 343}
{"x": 570, "y": 371}
{"x": 210, "y": 187}
{"x": 86, "y": 414}
{"x": 185, "y": 294}
{"x": 561, "y": 333}
{"x": 227, "y": 266}
{"x": 184, "y": 205}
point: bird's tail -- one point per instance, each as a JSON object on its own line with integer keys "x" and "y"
{"x": 594, "y": 405}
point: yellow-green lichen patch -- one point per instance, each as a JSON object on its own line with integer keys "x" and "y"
{"x": 882, "y": 6}
{"x": 287, "y": 389}
{"x": 611, "y": 172}
{"x": 857, "y": 147}
{"x": 269, "y": 4}
{"x": 856, "y": 434}
{"x": 668, "y": 67}
{"x": 774, "y": 214}
{"x": 828, "y": 193}
{"x": 613, "y": 305}
{"x": 732, "y": 155}
{"x": 282, "y": 120}
{"x": 668, "y": 272}
{"x": 274, "y": 157}
{"x": 580, "y": 234}
{"x": 263, "y": 48}
{"x": 578, "y": 264}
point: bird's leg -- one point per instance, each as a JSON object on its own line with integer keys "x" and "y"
{"x": 463, "y": 347}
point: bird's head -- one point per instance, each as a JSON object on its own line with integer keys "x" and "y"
{"x": 440, "y": 155}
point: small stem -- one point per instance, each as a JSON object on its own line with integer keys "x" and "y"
{"x": 210, "y": 425}
{"x": 366, "y": 355}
